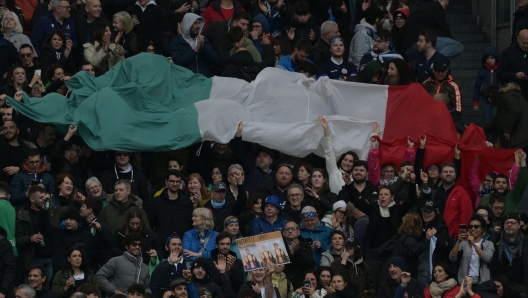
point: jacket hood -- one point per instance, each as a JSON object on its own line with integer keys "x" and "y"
{"x": 187, "y": 22}
{"x": 512, "y": 86}
{"x": 363, "y": 25}
{"x": 490, "y": 51}
{"x": 372, "y": 68}
{"x": 262, "y": 19}
{"x": 241, "y": 58}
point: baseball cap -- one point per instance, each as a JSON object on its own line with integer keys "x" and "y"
{"x": 217, "y": 186}
{"x": 441, "y": 64}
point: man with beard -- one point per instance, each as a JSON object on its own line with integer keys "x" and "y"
{"x": 171, "y": 211}
{"x": 423, "y": 65}
{"x": 12, "y": 151}
{"x": 45, "y": 142}
{"x": 271, "y": 220}
{"x": 259, "y": 175}
{"x": 36, "y": 279}
{"x": 31, "y": 172}
{"x": 169, "y": 269}
{"x": 501, "y": 185}
{"x": 511, "y": 251}
{"x": 234, "y": 270}
{"x": 399, "y": 281}
{"x": 452, "y": 200}
{"x": 201, "y": 277}
{"x": 381, "y": 51}
{"x": 361, "y": 188}
{"x": 300, "y": 54}
{"x": 192, "y": 50}
{"x": 283, "y": 179}
{"x": 336, "y": 68}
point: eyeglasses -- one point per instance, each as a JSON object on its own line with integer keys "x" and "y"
{"x": 136, "y": 244}
{"x": 291, "y": 229}
{"x": 432, "y": 168}
{"x": 295, "y": 195}
{"x": 94, "y": 187}
{"x": 498, "y": 208}
{"x": 175, "y": 181}
{"x": 510, "y": 223}
{"x": 389, "y": 171}
{"x": 26, "y": 55}
{"x": 216, "y": 173}
{"x": 476, "y": 227}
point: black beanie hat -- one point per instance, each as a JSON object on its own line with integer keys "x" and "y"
{"x": 72, "y": 213}
{"x": 201, "y": 262}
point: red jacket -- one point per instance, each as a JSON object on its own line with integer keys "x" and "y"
{"x": 458, "y": 210}
{"x": 213, "y": 13}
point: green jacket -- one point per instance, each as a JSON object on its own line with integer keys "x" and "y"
{"x": 7, "y": 222}
{"x": 514, "y": 195}
{"x": 248, "y": 44}
{"x": 23, "y": 233}
{"x": 114, "y": 213}
{"x": 59, "y": 281}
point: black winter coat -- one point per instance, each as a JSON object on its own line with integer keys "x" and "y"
{"x": 429, "y": 15}
{"x": 9, "y": 54}
{"x": 7, "y": 264}
{"x": 387, "y": 289}
{"x": 236, "y": 274}
{"x": 220, "y": 214}
{"x": 512, "y": 61}
{"x": 300, "y": 261}
{"x": 50, "y": 56}
{"x": 302, "y": 30}
{"x": 242, "y": 66}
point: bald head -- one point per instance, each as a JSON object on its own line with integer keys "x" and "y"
{"x": 93, "y": 9}
{"x": 522, "y": 40}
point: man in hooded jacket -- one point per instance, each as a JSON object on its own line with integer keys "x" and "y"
{"x": 192, "y": 50}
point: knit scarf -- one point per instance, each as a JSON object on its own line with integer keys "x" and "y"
{"x": 438, "y": 289}
{"x": 384, "y": 211}
{"x": 386, "y": 182}
{"x": 217, "y": 205}
{"x": 30, "y": 171}
{"x": 485, "y": 190}
{"x": 489, "y": 67}
{"x": 511, "y": 249}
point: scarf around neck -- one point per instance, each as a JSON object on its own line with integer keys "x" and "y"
{"x": 385, "y": 211}
{"x": 511, "y": 249}
{"x": 438, "y": 289}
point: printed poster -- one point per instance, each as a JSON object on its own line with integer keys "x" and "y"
{"x": 260, "y": 250}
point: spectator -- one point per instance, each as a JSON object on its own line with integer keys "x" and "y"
{"x": 322, "y": 48}
{"x": 7, "y": 264}
{"x": 281, "y": 47}
{"x": 57, "y": 49}
{"x": 337, "y": 246}
{"x": 150, "y": 21}
{"x": 511, "y": 127}
{"x": 509, "y": 251}
{"x": 233, "y": 230}
{"x": 63, "y": 195}
{"x": 259, "y": 30}
{"x": 217, "y": 36}
{"x": 100, "y": 51}
{"x": 171, "y": 211}
{"x": 12, "y": 151}
{"x": 90, "y": 209}
{"x": 443, "y": 284}
{"x": 364, "y": 34}
{"x": 34, "y": 247}
{"x": 191, "y": 49}
{"x": 220, "y": 10}
{"x": 24, "y": 291}
{"x": 391, "y": 7}
{"x": 219, "y": 205}
{"x": 89, "y": 290}
{"x": 271, "y": 220}
{"x": 360, "y": 188}
{"x": 9, "y": 5}
{"x": 430, "y": 15}
{"x": 400, "y": 69}
{"x": 381, "y": 50}
{"x": 336, "y": 68}
{"x": 201, "y": 278}
{"x": 352, "y": 269}
{"x": 169, "y": 269}
{"x": 303, "y": 173}
{"x": 309, "y": 290}
{"x": 200, "y": 241}
{"x": 237, "y": 39}
{"x": 398, "y": 30}
{"x": 300, "y": 54}
{"x": 253, "y": 210}
{"x": 119, "y": 203}
{"x": 89, "y": 19}
{"x": 183, "y": 288}
{"x": 134, "y": 225}
{"x": 128, "y": 40}
{"x": 66, "y": 158}
{"x": 45, "y": 142}
{"x": 74, "y": 273}
{"x": 318, "y": 194}
{"x": 300, "y": 254}
{"x": 31, "y": 172}
{"x": 40, "y": 10}
{"x": 16, "y": 81}
{"x": 7, "y": 215}
{"x": 13, "y": 31}
{"x": 520, "y": 20}
{"x": 136, "y": 291}
{"x": 120, "y": 272}
{"x": 197, "y": 189}
{"x": 87, "y": 66}
{"x": 486, "y": 77}
{"x": 292, "y": 209}
{"x": 302, "y": 25}
{"x": 315, "y": 232}
{"x": 36, "y": 279}
{"x": 58, "y": 18}
{"x": 283, "y": 179}
{"x": 95, "y": 189}
{"x": 233, "y": 273}
{"x": 443, "y": 83}
{"x": 123, "y": 169}
{"x": 28, "y": 60}
{"x": 8, "y": 57}
{"x": 473, "y": 252}
{"x": 399, "y": 279}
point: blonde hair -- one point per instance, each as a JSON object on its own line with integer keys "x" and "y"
{"x": 18, "y": 27}
{"x": 207, "y": 217}
{"x": 125, "y": 19}
{"x": 412, "y": 224}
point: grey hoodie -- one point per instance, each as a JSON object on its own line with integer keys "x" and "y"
{"x": 362, "y": 42}
{"x": 188, "y": 20}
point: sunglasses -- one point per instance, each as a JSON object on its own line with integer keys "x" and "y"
{"x": 474, "y": 227}
{"x": 27, "y": 55}
{"x": 136, "y": 244}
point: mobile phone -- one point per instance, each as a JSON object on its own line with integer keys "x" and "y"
{"x": 38, "y": 72}
{"x": 463, "y": 227}
{"x": 309, "y": 240}
{"x": 34, "y": 182}
{"x": 306, "y": 283}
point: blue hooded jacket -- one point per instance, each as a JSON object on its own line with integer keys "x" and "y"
{"x": 322, "y": 234}
{"x": 47, "y": 24}
{"x": 485, "y": 76}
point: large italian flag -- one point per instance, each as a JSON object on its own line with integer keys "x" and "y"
{"x": 146, "y": 104}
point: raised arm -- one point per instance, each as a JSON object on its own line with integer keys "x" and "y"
{"x": 330, "y": 159}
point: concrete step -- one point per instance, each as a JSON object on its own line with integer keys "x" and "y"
{"x": 469, "y": 55}
{"x": 475, "y": 47}
{"x": 461, "y": 64}
{"x": 461, "y": 20}
{"x": 461, "y": 29}
{"x": 458, "y": 9}
{"x": 469, "y": 37}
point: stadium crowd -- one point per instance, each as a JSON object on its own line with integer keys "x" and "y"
{"x": 79, "y": 223}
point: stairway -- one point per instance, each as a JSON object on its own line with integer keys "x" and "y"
{"x": 464, "y": 28}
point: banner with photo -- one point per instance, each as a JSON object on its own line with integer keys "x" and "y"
{"x": 260, "y": 250}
